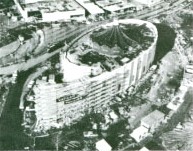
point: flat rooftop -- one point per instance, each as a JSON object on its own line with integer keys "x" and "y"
{"x": 53, "y": 6}
{"x": 153, "y": 117}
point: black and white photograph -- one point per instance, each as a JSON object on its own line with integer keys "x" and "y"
{"x": 96, "y": 75}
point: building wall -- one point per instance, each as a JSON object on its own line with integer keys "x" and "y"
{"x": 155, "y": 125}
{"x": 52, "y": 16}
{"x": 93, "y": 94}
{"x": 65, "y": 16}
{"x": 83, "y": 95}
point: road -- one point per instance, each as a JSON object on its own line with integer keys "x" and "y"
{"x": 34, "y": 61}
{"x": 11, "y": 132}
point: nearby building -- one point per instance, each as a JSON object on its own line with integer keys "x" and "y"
{"x": 102, "y": 145}
{"x": 58, "y": 10}
{"x": 187, "y": 82}
{"x": 48, "y": 11}
{"x": 100, "y": 65}
{"x": 148, "y": 125}
{"x": 139, "y": 133}
{"x": 153, "y": 120}
{"x": 177, "y": 101}
{"x": 148, "y": 3}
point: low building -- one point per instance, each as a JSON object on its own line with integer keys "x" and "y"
{"x": 48, "y": 11}
{"x": 102, "y": 145}
{"x": 175, "y": 103}
{"x": 139, "y": 133}
{"x": 153, "y": 120}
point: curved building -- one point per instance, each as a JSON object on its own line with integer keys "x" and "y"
{"x": 101, "y": 64}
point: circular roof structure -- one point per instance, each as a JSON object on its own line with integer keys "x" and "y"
{"x": 120, "y": 38}
{"x": 106, "y": 45}
{"x": 118, "y": 35}
{"x": 124, "y": 36}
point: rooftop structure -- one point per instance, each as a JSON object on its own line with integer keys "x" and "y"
{"x": 52, "y": 10}
{"x": 148, "y": 125}
{"x": 139, "y": 133}
{"x": 102, "y": 145}
{"x": 94, "y": 72}
{"x": 153, "y": 120}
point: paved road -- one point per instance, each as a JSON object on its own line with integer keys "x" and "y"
{"x": 34, "y": 61}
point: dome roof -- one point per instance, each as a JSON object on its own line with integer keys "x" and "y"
{"x": 123, "y": 36}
